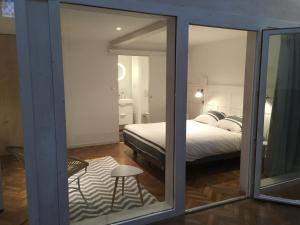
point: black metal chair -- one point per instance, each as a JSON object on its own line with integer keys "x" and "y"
{"x": 74, "y": 167}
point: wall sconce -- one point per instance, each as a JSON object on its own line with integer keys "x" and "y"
{"x": 199, "y": 93}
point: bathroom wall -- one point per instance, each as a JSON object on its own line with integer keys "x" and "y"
{"x": 145, "y": 82}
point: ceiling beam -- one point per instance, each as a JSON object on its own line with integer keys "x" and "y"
{"x": 140, "y": 33}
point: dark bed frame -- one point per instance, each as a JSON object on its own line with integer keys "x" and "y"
{"x": 158, "y": 158}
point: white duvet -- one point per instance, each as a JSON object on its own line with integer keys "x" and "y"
{"x": 203, "y": 140}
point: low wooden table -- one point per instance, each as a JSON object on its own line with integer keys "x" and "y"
{"x": 123, "y": 171}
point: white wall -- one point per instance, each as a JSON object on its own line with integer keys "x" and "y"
{"x": 91, "y": 92}
{"x": 221, "y": 62}
{"x": 140, "y": 86}
{"x": 157, "y": 88}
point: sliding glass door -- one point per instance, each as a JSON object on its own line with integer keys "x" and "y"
{"x": 278, "y": 143}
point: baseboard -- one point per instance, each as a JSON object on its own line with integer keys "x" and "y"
{"x": 107, "y": 142}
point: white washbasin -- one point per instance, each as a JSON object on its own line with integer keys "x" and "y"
{"x": 125, "y": 101}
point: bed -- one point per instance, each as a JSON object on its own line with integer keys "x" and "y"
{"x": 204, "y": 142}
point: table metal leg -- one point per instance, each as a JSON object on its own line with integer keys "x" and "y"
{"x": 114, "y": 193}
{"x": 140, "y": 189}
{"x": 123, "y": 181}
{"x": 79, "y": 189}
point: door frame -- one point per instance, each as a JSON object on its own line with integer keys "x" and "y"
{"x": 41, "y": 82}
{"x": 266, "y": 33}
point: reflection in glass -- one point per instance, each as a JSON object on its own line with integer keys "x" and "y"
{"x": 281, "y": 145}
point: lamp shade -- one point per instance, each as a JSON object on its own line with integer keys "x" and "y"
{"x": 199, "y": 93}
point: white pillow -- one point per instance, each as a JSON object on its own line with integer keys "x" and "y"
{"x": 231, "y": 123}
{"x": 211, "y": 117}
{"x": 205, "y": 118}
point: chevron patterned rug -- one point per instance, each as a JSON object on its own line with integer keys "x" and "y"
{"x": 97, "y": 186}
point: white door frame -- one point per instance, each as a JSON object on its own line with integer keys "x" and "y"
{"x": 41, "y": 81}
{"x": 260, "y": 127}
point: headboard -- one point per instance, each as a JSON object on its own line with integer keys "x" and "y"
{"x": 224, "y": 98}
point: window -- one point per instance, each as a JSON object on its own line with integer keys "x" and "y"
{"x": 115, "y": 72}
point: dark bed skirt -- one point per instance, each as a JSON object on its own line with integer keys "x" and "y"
{"x": 139, "y": 147}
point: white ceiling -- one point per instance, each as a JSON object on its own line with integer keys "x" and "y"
{"x": 100, "y": 24}
{"x": 197, "y": 35}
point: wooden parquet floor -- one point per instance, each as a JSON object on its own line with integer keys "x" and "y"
{"x": 152, "y": 178}
{"x": 212, "y": 182}
{"x": 247, "y": 212}
{"x": 289, "y": 192}
{"x": 14, "y": 193}
{"x": 205, "y": 183}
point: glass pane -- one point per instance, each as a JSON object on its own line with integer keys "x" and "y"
{"x": 281, "y": 145}
{"x": 13, "y": 198}
{"x": 115, "y": 103}
{"x": 216, "y": 74}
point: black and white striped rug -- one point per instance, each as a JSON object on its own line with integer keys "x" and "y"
{"x": 97, "y": 186}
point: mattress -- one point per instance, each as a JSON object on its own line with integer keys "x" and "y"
{"x": 203, "y": 140}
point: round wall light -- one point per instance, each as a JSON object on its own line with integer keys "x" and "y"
{"x": 121, "y": 71}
